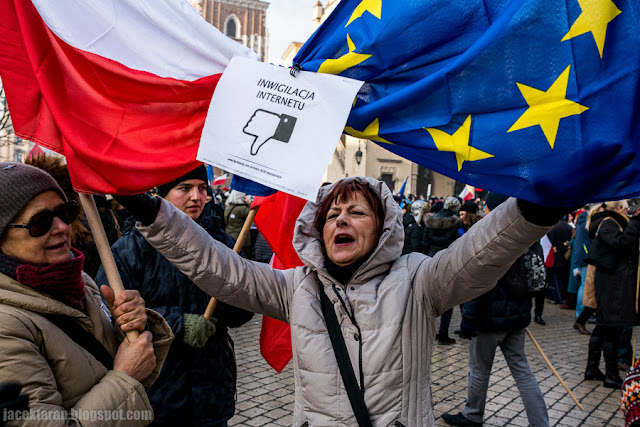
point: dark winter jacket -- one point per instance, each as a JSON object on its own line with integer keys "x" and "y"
{"x": 196, "y": 386}
{"x": 506, "y": 307}
{"x": 616, "y": 289}
{"x": 263, "y": 252}
{"x": 558, "y": 236}
{"x": 413, "y": 237}
{"x": 441, "y": 230}
{"x": 582, "y": 242}
{"x": 215, "y": 210}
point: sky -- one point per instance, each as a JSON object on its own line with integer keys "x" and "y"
{"x": 288, "y": 21}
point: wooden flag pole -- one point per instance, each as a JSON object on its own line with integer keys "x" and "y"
{"x": 104, "y": 250}
{"x": 544, "y": 356}
{"x": 242, "y": 237}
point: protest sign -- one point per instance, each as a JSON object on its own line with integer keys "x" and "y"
{"x": 276, "y": 128}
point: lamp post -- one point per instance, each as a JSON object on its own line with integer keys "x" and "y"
{"x": 358, "y": 155}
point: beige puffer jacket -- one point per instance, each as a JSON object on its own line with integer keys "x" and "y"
{"x": 395, "y": 300}
{"x": 59, "y": 375}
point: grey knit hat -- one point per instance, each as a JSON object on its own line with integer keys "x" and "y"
{"x": 452, "y": 203}
{"x": 19, "y": 183}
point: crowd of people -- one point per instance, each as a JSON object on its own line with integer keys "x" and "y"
{"x": 379, "y": 270}
{"x": 602, "y": 288}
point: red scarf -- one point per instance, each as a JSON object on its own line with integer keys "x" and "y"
{"x": 62, "y": 280}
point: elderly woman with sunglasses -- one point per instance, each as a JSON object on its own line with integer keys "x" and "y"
{"x": 383, "y": 305}
{"x": 57, "y": 337}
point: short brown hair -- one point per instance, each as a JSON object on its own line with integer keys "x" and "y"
{"x": 343, "y": 189}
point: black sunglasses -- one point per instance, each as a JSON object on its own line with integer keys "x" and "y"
{"x": 41, "y": 223}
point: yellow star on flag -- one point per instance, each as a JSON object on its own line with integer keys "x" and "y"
{"x": 374, "y": 7}
{"x": 346, "y": 61}
{"x": 595, "y": 16}
{"x": 371, "y": 132}
{"x": 547, "y": 108}
{"x": 458, "y": 143}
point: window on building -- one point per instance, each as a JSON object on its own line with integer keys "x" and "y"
{"x": 387, "y": 178}
{"x": 231, "y": 30}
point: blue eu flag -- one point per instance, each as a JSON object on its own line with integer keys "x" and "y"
{"x": 532, "y": 98}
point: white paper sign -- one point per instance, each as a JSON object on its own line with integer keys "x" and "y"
{"x": 276, "y": 129}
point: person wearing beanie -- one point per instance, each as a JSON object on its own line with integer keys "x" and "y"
{"x": 76, "y": 361}
{"x": 198, "y": 383}
{"x": 498, "y": 319}
{"x": 442, "y": 229}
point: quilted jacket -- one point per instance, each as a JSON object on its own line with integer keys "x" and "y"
{"x": 395, "y": 301}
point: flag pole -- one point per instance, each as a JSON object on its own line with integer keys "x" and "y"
{"x": 104, "y": 250}
{"x": 242, "y": 237}
{"x": 544, "y": 356}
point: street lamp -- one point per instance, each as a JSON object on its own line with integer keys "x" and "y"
{"x": 358, "y": 155}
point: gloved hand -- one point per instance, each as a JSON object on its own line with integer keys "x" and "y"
{"x": 467, "y": 331}
{"x": 542, "y": 215}
{"x": 196, "y": 330}
{"x": 143, "y": 206}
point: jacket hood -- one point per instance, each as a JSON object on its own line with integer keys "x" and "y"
{"x": 408, "y": 219}
{"x": 442, "y": 220}
{"x": 308, "y": 243}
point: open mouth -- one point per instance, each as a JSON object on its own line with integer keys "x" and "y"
{"x": 343, "y": 239}
{"x": 61, "y": 245}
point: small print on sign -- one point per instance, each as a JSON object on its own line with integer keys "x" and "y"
{"x": 276, "y": 129}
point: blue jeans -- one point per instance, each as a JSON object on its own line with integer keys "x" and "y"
{"x": 482, "y": 350}
{"x": 579, "y": 305}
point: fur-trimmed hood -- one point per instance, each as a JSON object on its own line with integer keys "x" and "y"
{"x": 442, "y": 220}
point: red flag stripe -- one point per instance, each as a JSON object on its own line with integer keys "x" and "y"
{"x": 276, "y": 220}
{"x": 121, "y": 130}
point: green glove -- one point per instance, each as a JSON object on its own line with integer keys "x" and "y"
{"x": 196, "y": 330}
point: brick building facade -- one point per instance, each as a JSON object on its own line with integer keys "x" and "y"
{"x": 241, "y": 20}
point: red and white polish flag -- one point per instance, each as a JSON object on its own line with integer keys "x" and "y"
{"x": 221, "y": 180}
{"x": 466, "y": 193}
{"x": 120, "y": 87}
{"x": 547, "y": 250}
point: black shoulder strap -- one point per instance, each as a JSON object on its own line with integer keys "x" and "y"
{"x": 344, "y": 363}
{"x": 82, "y": 337}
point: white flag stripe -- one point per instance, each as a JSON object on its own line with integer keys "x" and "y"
{"x": 167, "y": 38}
{"x": 546, "y": 245}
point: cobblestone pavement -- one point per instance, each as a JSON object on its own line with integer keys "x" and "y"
{"x": 265, "y": 398}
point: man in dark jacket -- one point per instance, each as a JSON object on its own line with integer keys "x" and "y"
{"x": 197, "y": 384}
{"x": 498, "y": 318}
{"x": 441, "y": 230}
{"x": 559, "y": 273}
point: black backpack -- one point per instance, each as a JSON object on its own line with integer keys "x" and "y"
{"x": 526, "y": 275}
{"x": 537, "y": 274}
